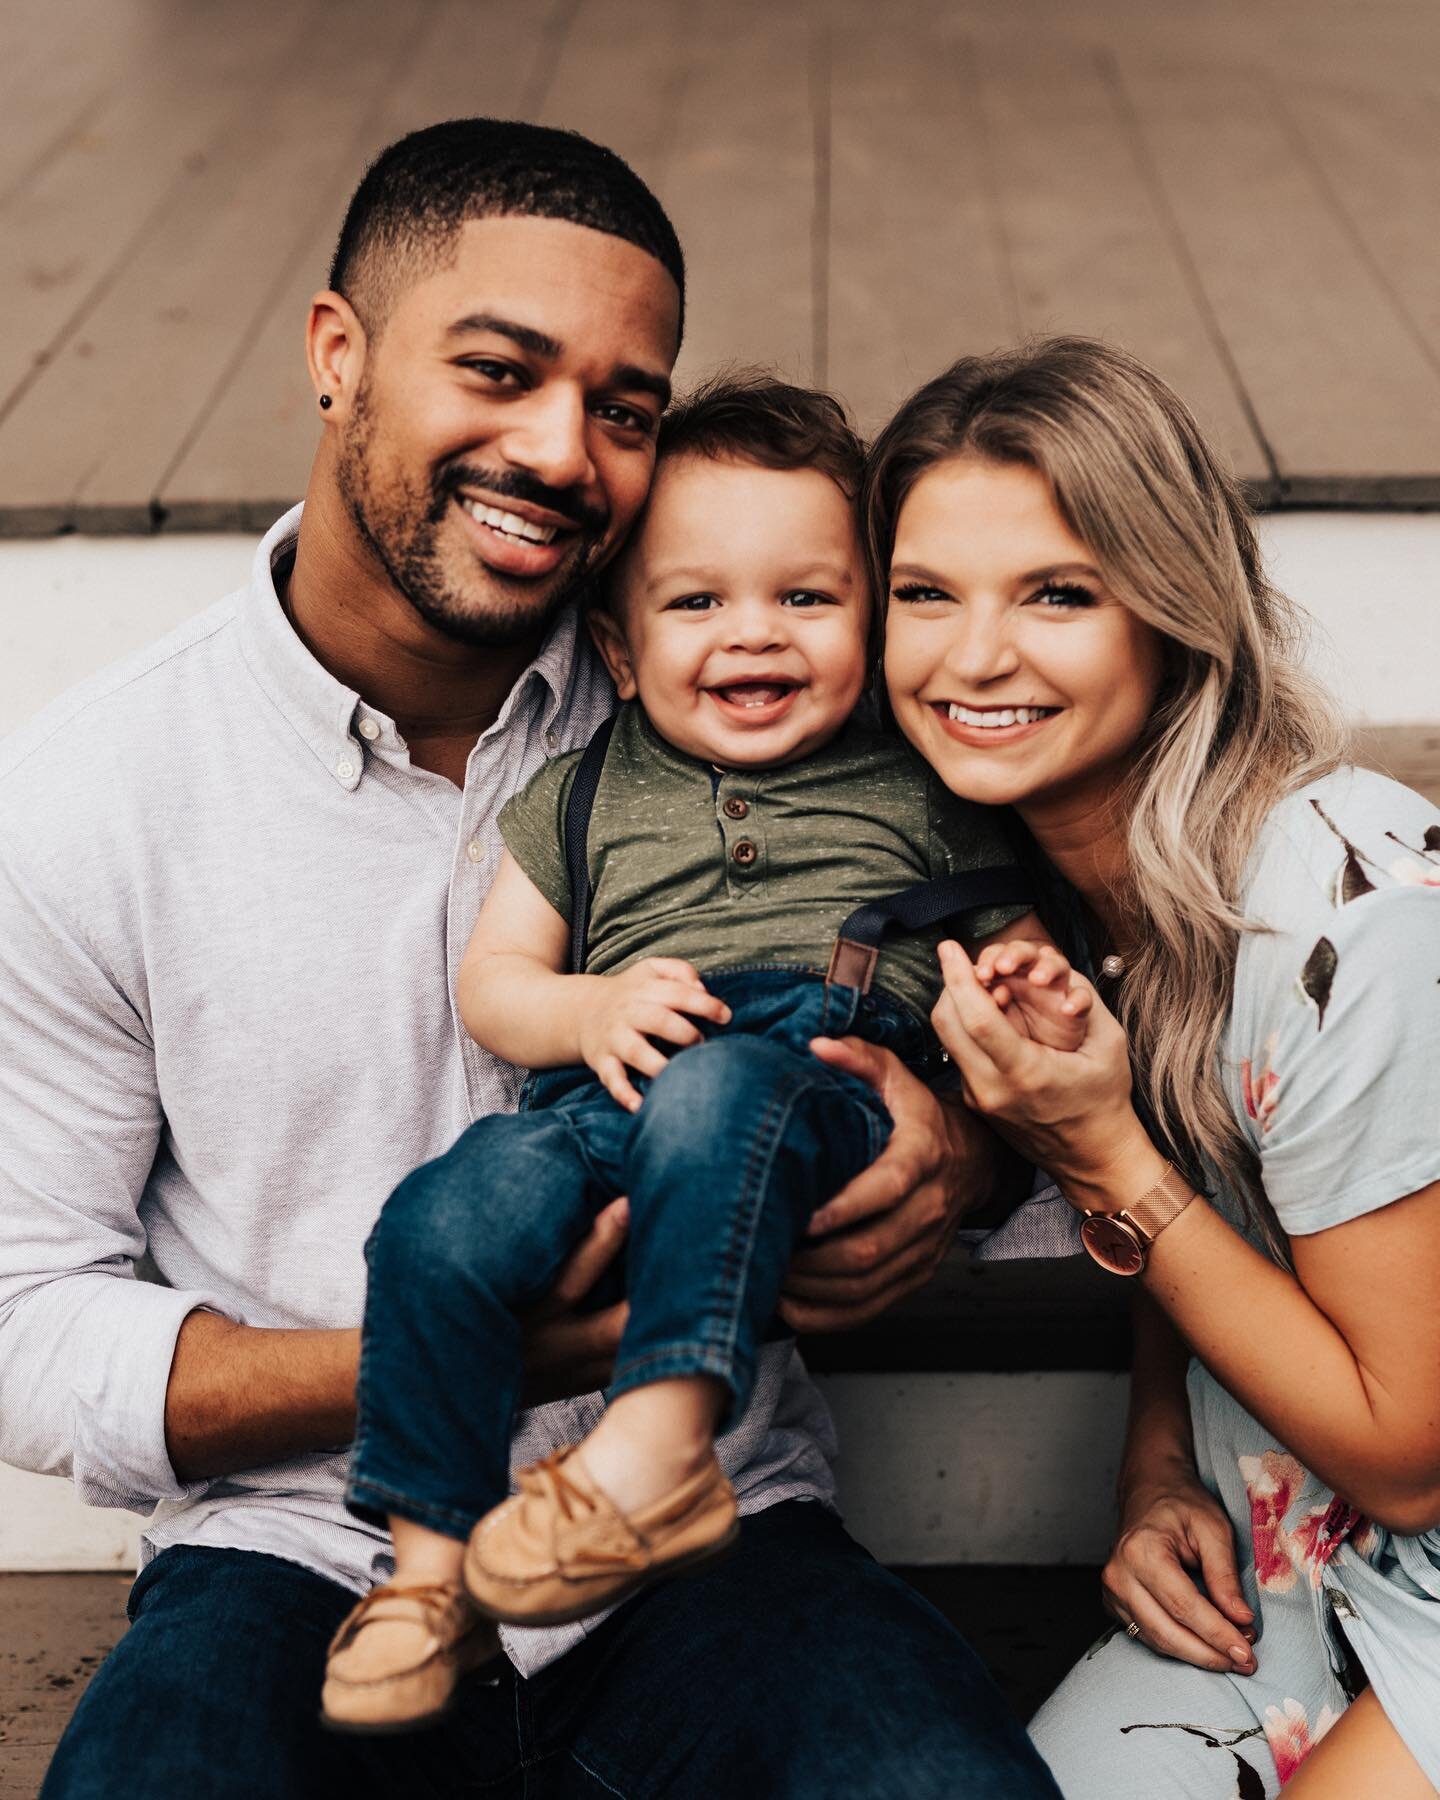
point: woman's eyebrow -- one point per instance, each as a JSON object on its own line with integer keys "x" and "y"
{"x": 1050, "y": 572}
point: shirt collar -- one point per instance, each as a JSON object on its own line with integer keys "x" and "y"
{"x": 330, "y": 718}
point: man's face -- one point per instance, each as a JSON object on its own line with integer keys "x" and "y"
{"x": 502, "y": 438}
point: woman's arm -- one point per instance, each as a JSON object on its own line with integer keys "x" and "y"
{"x": 1338, "y": 1360}
{"x": 1172, "y": 1529}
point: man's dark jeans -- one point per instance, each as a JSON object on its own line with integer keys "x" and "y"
{"x": 737, "y": 1143}
{"x": 795, "y": 1668}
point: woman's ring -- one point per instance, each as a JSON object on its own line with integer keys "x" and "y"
{"x": 1132, "y": 1630}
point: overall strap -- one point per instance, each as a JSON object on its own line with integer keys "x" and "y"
{"x": 578, "y": 808}
{"x": 857, "y": 948}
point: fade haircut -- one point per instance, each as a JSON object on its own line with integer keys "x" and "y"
{"x": 749, "y": 416}
{"x": 403, "y": 218}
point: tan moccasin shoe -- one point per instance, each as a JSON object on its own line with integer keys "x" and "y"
{"x": 396, "y": 1660}
{"x": 560, "y": 1550}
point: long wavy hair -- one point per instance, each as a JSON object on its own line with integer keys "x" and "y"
{"x": 1237, "y": 723}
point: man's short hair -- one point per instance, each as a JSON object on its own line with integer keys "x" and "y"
{"x": 417, "y": 194}
{"x": 747, "y": 415}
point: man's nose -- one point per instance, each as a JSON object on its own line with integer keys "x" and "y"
{"x": 546, "y": 436}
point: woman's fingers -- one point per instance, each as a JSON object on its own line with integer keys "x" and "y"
{"x": 1146, "y": 1580}
{"x": 1214, "y": 1546}
{"x": 592, "y": 1256}
{"x": 1159, "y": 1631}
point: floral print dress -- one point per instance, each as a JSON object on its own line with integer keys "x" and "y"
{"x": 1332, "y": 1063}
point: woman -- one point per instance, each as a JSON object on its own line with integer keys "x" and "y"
{"x": 1079, "y": 628}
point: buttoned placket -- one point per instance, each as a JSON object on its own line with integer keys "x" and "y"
{"x": 738, "y": 814}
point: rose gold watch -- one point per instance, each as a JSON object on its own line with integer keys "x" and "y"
{"x": 1120, "y": 1241}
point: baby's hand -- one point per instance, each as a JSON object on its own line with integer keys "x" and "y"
{"x": 650, "y": 999}
{"x": 1038, "y": 991}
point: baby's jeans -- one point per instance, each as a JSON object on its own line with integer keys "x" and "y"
{"x": 736, "y": 1144}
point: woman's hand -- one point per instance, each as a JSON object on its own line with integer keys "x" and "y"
{"x": 1172, "y": 1527}
{"x": 656, "y": 998}
{"x": 1067, "y": 1110}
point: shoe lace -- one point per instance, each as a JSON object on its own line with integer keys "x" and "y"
{"x": 436, "y": 1601}
{"x": 575, "y": 1502}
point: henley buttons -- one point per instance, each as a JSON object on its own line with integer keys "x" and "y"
{"x": 475, "y": 850}
{"x": 735, "y": 807}
{"x": 744, "y": 853}
{"x": 344, "y": 768}
{"x": 552, "y": 740}
{"x": 369, "y": 730}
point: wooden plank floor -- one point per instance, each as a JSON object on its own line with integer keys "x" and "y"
{"x": 1028, "y": 1624}
{"x": 1247, "y": 196}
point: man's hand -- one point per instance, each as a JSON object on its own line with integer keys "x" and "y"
{"x": 1173, "y": 1529}
{"x": 568, "y": 1351}
{"x": 886, "y": 1234}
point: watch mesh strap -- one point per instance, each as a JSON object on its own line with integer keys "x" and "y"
{"x": 1164, "y": 1203}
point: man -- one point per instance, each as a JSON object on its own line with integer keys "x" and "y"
{"x": 235, "y": 880}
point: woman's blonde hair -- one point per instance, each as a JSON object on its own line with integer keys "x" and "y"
{"x": 1237, "y": 724}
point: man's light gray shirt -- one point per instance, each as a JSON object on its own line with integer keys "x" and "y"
{"x": 231, "y": 916}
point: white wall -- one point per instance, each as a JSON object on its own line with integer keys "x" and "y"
{"x": 939, "y": 1468}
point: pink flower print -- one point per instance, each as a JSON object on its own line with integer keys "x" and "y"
{"x": 1410, "y": 873}
{"x": 1322, "y": 1531}
{"x": 1261, "y": 1092}
{"x": 1290, "y": 1737}
{"x": 1272, "y": 1481}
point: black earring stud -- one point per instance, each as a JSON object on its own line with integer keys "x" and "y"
{"x": 325, "y": 403}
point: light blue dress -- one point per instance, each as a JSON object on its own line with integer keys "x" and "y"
{"x": 1332, "y": 1064}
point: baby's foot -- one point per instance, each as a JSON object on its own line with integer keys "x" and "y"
{"x": 396, "y": 1660}
{"x": 1038, "y": 991}
{"x": 561, "y": 1549}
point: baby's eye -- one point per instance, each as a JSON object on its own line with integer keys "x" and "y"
{"x": 807, "y": 597}
{"x": 694, "y": 603}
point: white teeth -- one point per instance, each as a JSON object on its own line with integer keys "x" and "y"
{"x": 510, "y": 523}
{"x": 994, "y": 718}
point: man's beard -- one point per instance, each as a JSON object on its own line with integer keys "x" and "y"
{"x": 402, "y": 528}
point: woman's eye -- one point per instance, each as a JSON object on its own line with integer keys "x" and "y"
{"x": 807, "y": 597}
{"x": 1063, "y": 595}
{"x": 692, "y": 603}
{"x": 917, "y": 590}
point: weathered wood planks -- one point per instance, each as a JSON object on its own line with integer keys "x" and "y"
{"x": 1248, "y": 197}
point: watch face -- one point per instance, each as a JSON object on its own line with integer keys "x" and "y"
{"x": 1113, "y": 1244}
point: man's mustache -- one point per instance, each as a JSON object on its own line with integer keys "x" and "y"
{"x": 515, "y": 484}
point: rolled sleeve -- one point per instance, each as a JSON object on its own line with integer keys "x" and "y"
{"x": 85, "y": 1348}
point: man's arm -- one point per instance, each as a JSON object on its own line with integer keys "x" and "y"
{"x": 240, "y": 1396}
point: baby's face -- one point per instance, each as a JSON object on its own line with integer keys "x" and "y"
{"x": 742, "y": 612}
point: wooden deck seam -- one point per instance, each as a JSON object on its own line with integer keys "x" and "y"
{"x": 1113, "y": 77}
{"x": 822, "y": 91}
{"x": 301, "y": 250}
{"x": 1306, "y": 154}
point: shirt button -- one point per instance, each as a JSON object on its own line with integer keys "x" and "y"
{"x": 552, "y": 740}
{"x": 744, "y": 853}
{"x": 369, "y": 730}
{"x": 735, "y": 807}
{"x": 475, "y": 850}
{"x": 344, "y": 768}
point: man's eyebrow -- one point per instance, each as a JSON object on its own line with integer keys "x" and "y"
{"x": 538, "y": 343}
{"x": 643, "y": 381}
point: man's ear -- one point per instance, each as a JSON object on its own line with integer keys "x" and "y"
{"x": 610, "y": 642}
{"x": 335, "y": 346}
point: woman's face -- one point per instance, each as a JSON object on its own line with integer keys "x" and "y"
{"x": 1011, "y": 668}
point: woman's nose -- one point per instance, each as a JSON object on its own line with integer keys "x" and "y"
{"x": 980, "y": 650}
